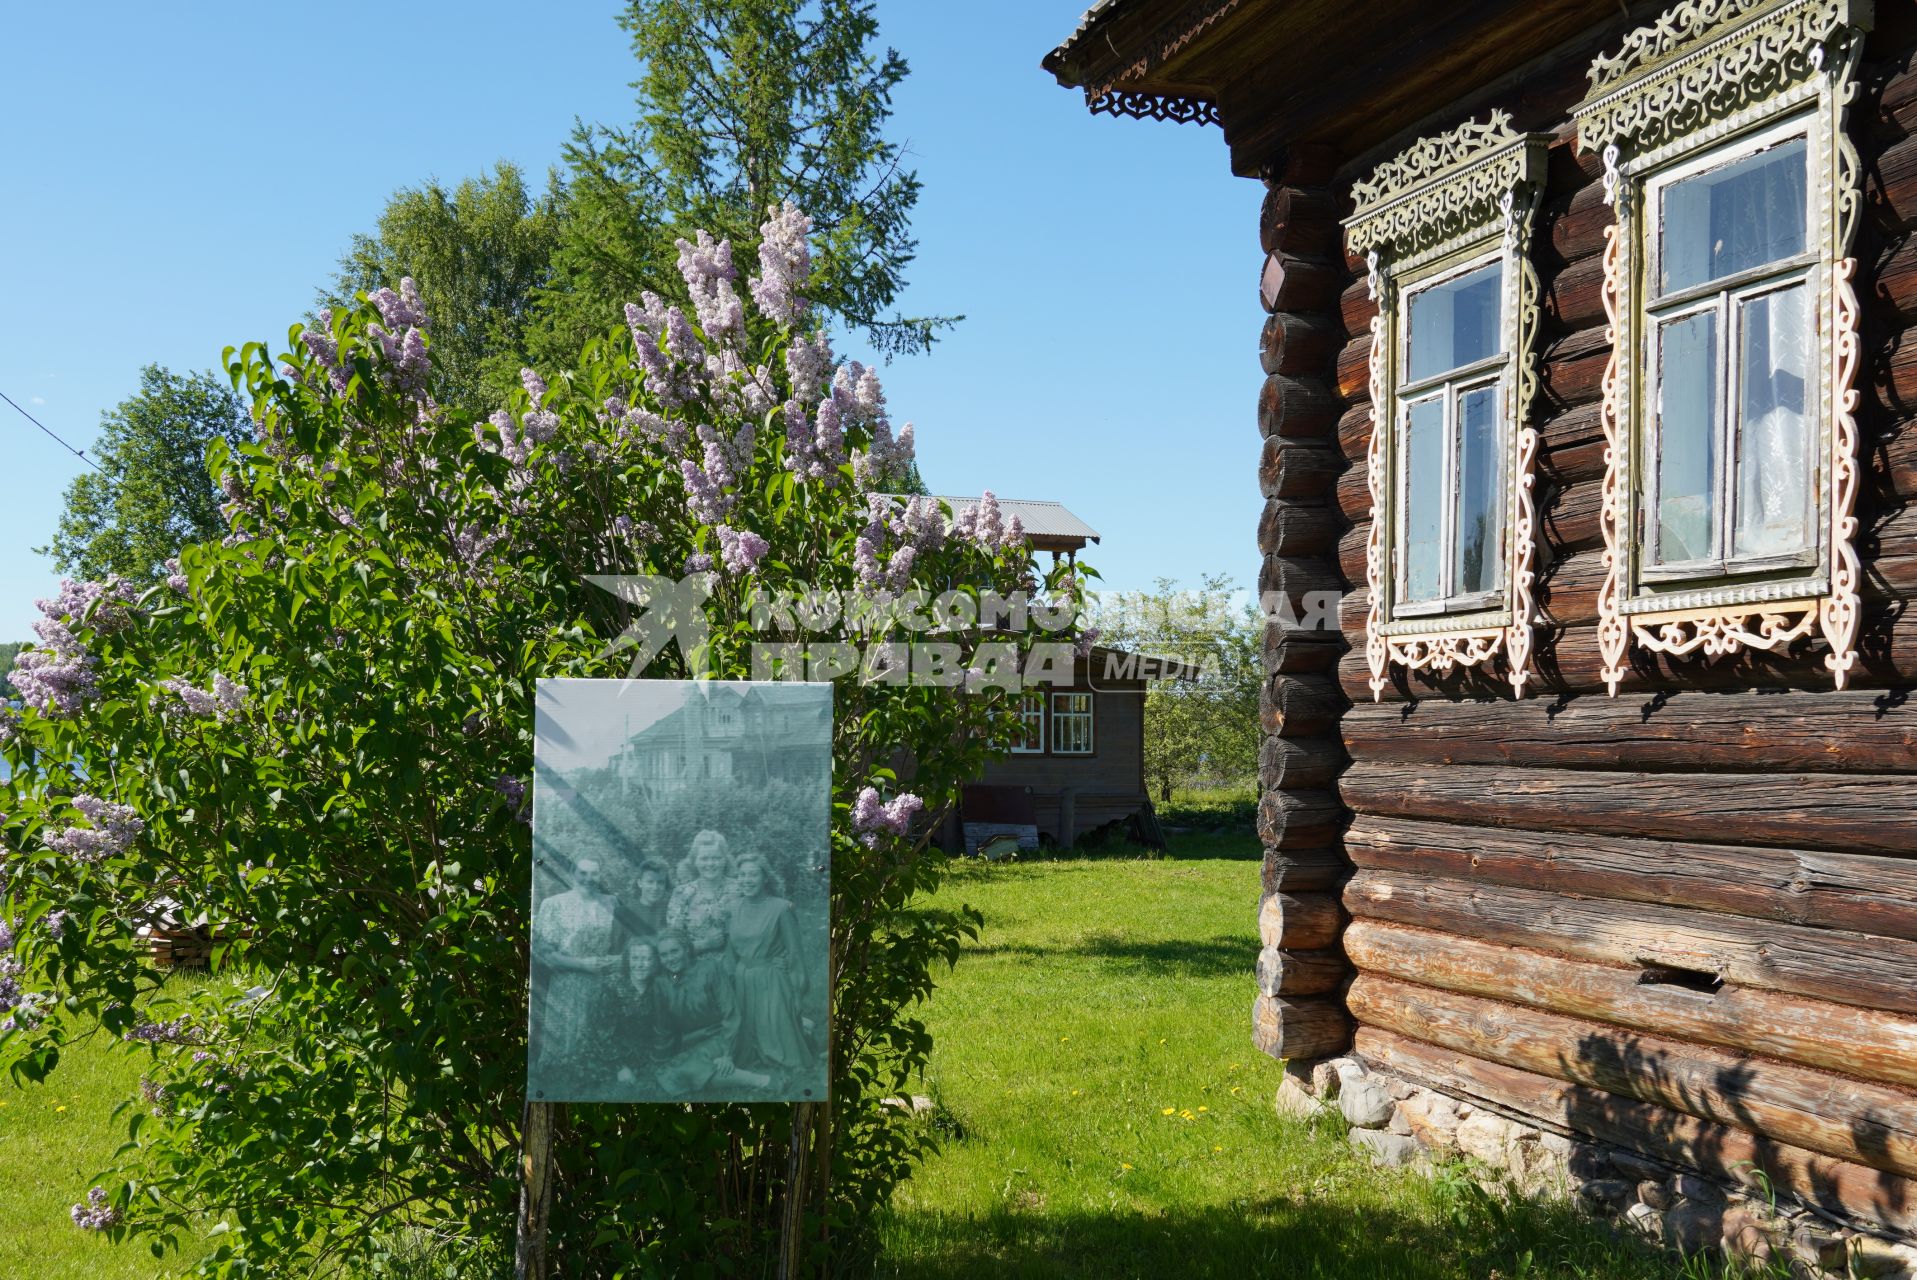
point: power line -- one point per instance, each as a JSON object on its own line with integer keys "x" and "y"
{"x": 80, "y": 454}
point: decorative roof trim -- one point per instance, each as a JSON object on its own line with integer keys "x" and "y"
{"x": 1440, "y": 186}
{"x": 1708, "y": 59}
{"x": 1154, "y": 106}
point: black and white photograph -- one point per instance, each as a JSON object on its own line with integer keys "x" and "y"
{"x": 680, "y": 912}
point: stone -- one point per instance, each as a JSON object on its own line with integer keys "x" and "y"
{"x": 1691, "y": 1187}
{"x": 1432, "y": 1118}
{"x": 1401, "y": 1090}
{"x": 1749, "y": 1234}
{"x": 1387, "y": 1150}
{"x": 1398, "y": 1123}
{"x": 1325, "y": 1076}
{"x": 1694, "y": 1228}
{"x": 1871, "y": 1257}
{"x": 1588, "y": 1163}
{"x": 1367, "y": 1104}
{"x": 1819, "y": 1247}
{"x": 1607, "y": 1195}
{"x": 1634, "y": 1166}
{"x": 1656, "y": 1194}
{"x": 1645, "y": 1220}
{"x": 1488, "y": 1139}
{"x": 1294, "y": 1101}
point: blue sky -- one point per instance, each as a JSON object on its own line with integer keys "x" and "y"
{"x": 181, "y": 178}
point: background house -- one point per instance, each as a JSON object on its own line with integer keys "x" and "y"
{"x": 1655, "y": 908}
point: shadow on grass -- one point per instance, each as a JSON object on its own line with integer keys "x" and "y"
{"x": 1298, "y": 1239}
{"x": 1216, "y": 957}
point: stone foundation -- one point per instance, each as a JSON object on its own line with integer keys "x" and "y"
{"x": 1400, "y": 1124}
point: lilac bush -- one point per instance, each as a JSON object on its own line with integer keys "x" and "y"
{"x": 312, "y": 742}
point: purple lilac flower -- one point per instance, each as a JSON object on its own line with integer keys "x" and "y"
{"x": 176, "y": 578}
{"x": 97, "y": 1214}
{"x": 785, "y": 262}
{"x": 707, "y": 267}
{"x": 534, "y": 384}
{"x": 1014, "y": 535}
{"x": 174, "y": 1031}
{"x": 648, "y": 323}
{"x": 807, "y": 363}
{"x": 402, "y": 309}
{"x": 988, "y": 524}
{"x": 740, "y": 549}
{"x": 698, "y": 562}
{"x": 924, "y": 523}
{"x": 112, "y": 827}
{"x": 231, "y": 694}
{"x": 196, "y": 701}
{"x": 830, "y": 436}
{"x": 514, "y": 790}
{"x": 873, "y": 819}
{"x": 704, "y": 490}
{"x": 55, "y": 923}
{"x": 1086, "y": 639}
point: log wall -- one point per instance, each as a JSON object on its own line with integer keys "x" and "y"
{"x": 1683, "y": 919}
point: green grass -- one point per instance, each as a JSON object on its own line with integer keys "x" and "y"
{"x": 1105, "y": 1114}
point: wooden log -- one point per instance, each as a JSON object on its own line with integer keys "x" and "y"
{"x": 1855, "y": 892}
{"x": 1299, "y": 407}
{"x": 1838, "y": 731}
{"x": 1299, "y": 593}
{"x": 1867, "y": 1043}
{"x": 1299, "y": 921}
{"x": 1356, "y": 306}
{"x": 1354, "y": 367}
{"x": 1578, "y": 428}
{"x": 1291, "y": 283}
{"x": 1306, "y": 819}
{"x": 1285, "y": 972}
{"x": 1299, "y": 344}
{"x": 1289, "y": 527}
{"x": 1827, "y": 964}
{"x": 1573, "y": 297}
{"x": 1300, "y": 220}
{"x": 1855, "y": 1120}
{"x": 1298, "y": 764}
{"x": 1304, "y": 870}
{"x": 1354, "y": 431}
{"x": 1299, "y": 1030}
{"x": 1298, "y": 469}
{"x": 1860, "y": 812}
{"x": 1291, "y": 651}
{"x": 1300, "y": 706}
{"x": 1571, "y": 225}
{"x": 1844, "y": 1189}
{"x": 1352, "y": 497}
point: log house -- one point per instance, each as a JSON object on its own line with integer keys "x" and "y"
{"x": 1595, "y": 812}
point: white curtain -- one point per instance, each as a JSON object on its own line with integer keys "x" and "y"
{"x": 1774, "y": 466}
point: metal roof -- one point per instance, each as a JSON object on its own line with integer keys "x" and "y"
{"x": 1041, "y": 518}
{"x": 1084, "y": 25}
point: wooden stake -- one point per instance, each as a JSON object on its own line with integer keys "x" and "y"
{"x": 535, "y": 1191}
{"x": 792, "y": 1221}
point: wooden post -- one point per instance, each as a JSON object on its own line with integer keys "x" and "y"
{"x": 535, "y": 1191}
{"x": 792, "y": 1221}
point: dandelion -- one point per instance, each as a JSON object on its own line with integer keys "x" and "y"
{"x": 1124, "y": 1166}
{"x": 1169, "y": 1111}
{"x": 1204, "y": 1108}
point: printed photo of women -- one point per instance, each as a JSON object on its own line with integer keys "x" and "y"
{"x": 680, "y": 907}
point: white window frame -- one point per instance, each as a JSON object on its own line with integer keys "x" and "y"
{"x": 1029, "y": 716}
{"x": 1089, "y": 716}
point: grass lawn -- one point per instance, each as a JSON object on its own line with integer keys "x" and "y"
{"x": 1107, "y": 1116}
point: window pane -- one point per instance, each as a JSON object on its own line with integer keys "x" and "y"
{"x": 1686, "y": 437}
{"x": 1774, "y": 446}
{"x": 1731, "y": 219}
{"x": 1072, "y": 723}
{"x": 1423, "y": 499}
{"x": 1480, "y": 473}
{"x": 1454, "y": 323}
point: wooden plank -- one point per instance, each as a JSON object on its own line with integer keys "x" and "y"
{"x": 1845, "y": 1189}
{"x": 1867, "y": 1043}
{"x": 1297, "y": 1030}
{"x": 1853, "y": 1120}
{"x": 1864, "y": 812}
{"x": 1300, "y": 921}
{"x": 1829, "y": 964}
{"x": 1839, "y": 731}
{"x": 1860, "y": 893}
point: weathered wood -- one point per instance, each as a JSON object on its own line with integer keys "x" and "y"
{"x": 1297, "y": 468}
{"x": 1573, "y": 297}
{"x": 1290, "y": 649}
{"x": 1354, "y": 367}
{"x": 1855, "y": 1120}
{"x": 531, "y": 1256}
{"x": 1847, "y": 731}
{"x": 1291, "y": 283}
{"x": 1828, "y": 964}
{"x": 1304, "y": 870}
{"x": 1298, "y": 407}
{"x": 1356, "y": 306}
{"x": 1868, "y": 1043}
{"x": 1843, "y": 1188}
{"x": 1299, "y": 921}
{"x": 1354, "y": 430}
{"x": 1863, "y": 812}
{"x": 1300, "y": 706}
{"x": 1299, "y": 220}
{"x": 1288, "y": 527}
{"x": 1300, "y": 819}
{"x": 1298, "y": 592}
{"x": 1295, "y": 764}
{"x": 1300, "y": 344}
{"x": 1285, "y": 972}
{"x": 1287, "y": 1029}
{"x": 1860, "y": 893}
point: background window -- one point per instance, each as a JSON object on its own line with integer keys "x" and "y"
{"x": 1031, "y": 714}
{"x": 1731, "y": 327}
{"x": 1072, "y": 724}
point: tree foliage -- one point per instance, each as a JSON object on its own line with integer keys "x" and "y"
{"x": 313, "y": 741}
{"x": 1204, "y": 730}
{"x": 152, "y": 493}
{"x": 743, "y": 104}
{"x": 479, "y": 252}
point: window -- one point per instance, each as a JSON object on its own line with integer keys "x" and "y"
{"x": 1729, "y": 512}
{"x": 1445, "y": 229}
{"x": 1072, "y": 724}
{"x": 1031, "y": 714}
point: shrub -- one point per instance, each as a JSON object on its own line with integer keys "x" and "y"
{"x": 312, "y": 741}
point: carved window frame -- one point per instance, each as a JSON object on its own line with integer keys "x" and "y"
{"x": 1710, "y": 73}
{"x": 1467, "y": 197}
